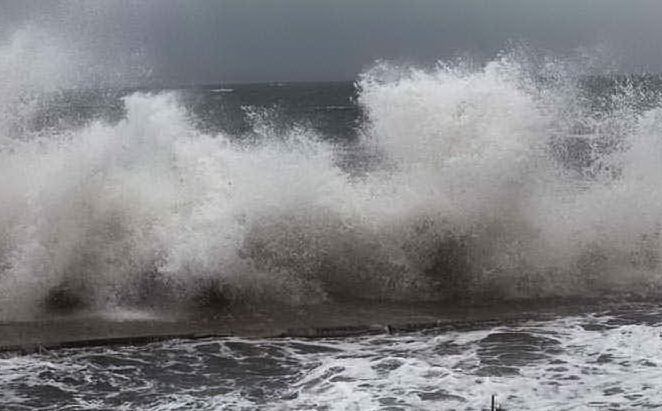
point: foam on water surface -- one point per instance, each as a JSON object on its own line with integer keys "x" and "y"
{"x": 607, "y": 360}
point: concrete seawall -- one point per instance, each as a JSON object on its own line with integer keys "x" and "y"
{"x": 337, "y": 320}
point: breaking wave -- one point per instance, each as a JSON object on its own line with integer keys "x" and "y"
{"x": 501, "y": 181}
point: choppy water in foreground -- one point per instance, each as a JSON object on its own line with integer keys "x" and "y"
{"x": 608, "y": 360}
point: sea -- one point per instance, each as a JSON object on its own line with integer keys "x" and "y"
{"x": 509, "y": 181}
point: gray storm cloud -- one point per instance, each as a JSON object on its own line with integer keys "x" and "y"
{"x": 197, "y": 41}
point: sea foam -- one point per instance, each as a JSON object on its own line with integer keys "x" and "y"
{"x": 498, "y": 181}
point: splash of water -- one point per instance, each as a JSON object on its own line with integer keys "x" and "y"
{"x": 483, "y": 187}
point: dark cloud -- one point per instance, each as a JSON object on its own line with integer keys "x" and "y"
{"x": 197, "y": 41}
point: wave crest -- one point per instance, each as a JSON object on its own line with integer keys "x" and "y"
{"x": 484, "y": 189}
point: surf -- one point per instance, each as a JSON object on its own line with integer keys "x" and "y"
{"x": 499, "y": 182}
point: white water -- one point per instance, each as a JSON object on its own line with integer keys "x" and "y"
{"x": 468, "y": 198}
{"x": 575, "y": 363}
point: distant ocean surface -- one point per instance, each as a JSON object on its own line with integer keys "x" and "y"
{"x": 451, "y": 185}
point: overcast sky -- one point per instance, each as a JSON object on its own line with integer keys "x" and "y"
{"x": 205, "y": 41}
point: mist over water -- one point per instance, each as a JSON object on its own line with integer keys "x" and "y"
{"x": 510, "y": 180}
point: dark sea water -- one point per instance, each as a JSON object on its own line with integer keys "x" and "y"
{"x": 329, "y": 109}
{"x": 447, "y": 185}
